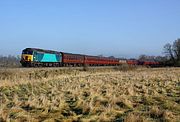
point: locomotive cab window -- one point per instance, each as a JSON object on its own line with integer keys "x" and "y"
{"x": 27, "y": 52}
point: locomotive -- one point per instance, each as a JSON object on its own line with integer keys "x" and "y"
{"x": 34, "y": 57}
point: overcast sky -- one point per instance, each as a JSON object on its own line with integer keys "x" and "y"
{"x": 123, "y": 28}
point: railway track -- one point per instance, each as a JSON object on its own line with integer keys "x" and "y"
{"x": 33, "y": 68}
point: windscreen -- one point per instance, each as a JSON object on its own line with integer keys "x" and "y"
{"x": 27, "y": 52}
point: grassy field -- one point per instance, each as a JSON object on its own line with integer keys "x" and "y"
{"x": 110, "y": 94}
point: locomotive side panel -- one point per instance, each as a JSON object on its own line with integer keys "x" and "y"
{"x": 47, "y": 57}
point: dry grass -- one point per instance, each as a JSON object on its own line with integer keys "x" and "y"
{"x": 51, "y": 95}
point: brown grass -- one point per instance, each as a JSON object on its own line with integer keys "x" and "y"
{"x": 139, "y": 95}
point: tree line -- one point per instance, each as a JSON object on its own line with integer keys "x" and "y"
{"x": 9, "y": 61}
{"x": 171, "y": 55}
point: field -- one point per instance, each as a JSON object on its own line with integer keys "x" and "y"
{"x": 88, "y": 95}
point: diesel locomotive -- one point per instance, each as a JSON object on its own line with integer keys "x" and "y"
{"x": 34, "y": 57}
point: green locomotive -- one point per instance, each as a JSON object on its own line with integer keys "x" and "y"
{"x": 33, "y": 57}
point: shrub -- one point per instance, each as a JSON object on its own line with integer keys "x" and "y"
{"x": 85, "y": 68}
{"x": 125, "y": 67}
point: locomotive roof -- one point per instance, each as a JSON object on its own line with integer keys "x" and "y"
{"x": 41, "y": 50}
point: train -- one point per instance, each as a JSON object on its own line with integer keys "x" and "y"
{"x": 35, "y": 57}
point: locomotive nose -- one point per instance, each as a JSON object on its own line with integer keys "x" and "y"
{"x": 26, "y": 57}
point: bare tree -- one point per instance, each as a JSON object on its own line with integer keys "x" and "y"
{"x": 161, "y": 58}
{"x": 173, "y": 51}
{"x": 146, "y": 58}
{"x": 176, "y": 49}
{"x": 142, "y": 57}
{"x": 169, "y": 52}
